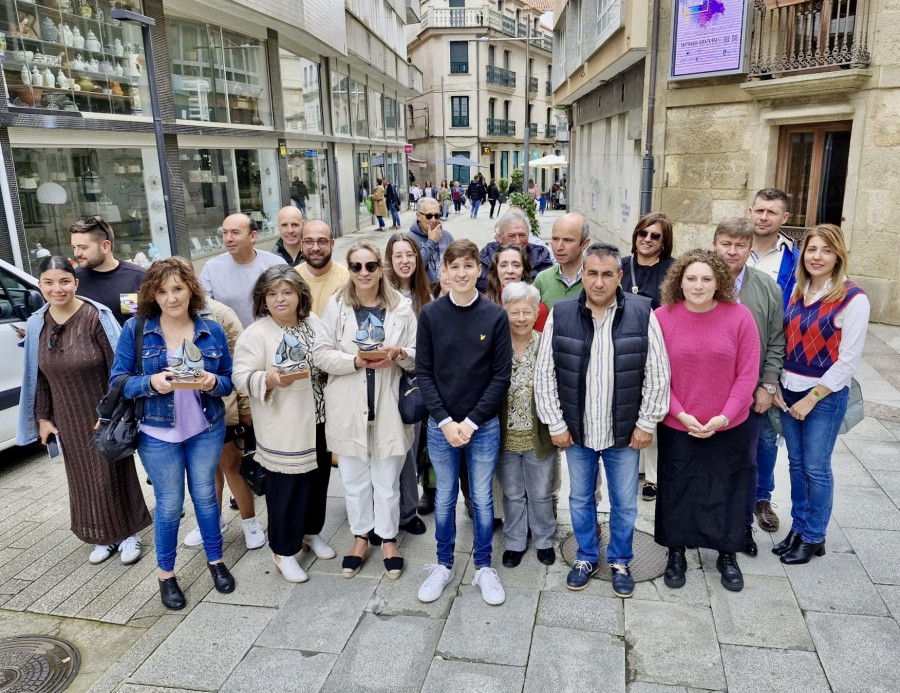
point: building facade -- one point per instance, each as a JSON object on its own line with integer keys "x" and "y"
{"x": 256, "y": 98}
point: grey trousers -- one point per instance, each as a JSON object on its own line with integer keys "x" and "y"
{"x": 409, "y": 486}
{"x": 527, "y": 482}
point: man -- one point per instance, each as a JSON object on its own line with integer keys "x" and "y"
{"x": 299, "y": 194}
{"x": 762, "y": 297}
{"x": 476, "y": 193}
{"x": 290, "y": 225}
{"x": 513, "y": 227}
{"x": 571, "y": 236}
{"x": 393, "y": 202}
{"x": 602, "y": 384}
{"x": 464, "y": 367}
{"x": 101, "y": 277}
{"x": 229, "y": 278}
{"x": 432, "y": 240}
{"x": 320, "y": 272}
{"x": 773, "y": 252}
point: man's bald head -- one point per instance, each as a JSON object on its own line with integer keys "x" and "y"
{"x": 571, "y": 235}
{"x": 290, "y": 226}
{"x": 573, "y": 221}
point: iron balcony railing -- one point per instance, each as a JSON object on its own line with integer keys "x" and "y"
{"x": 487, "y": 17}
{"x": 808, "y": 36}
{"x": 502, "y": 128}
{"x": 550, "y": 131}
{"x": 499, "y": 76}
{"x": 548, "y": 88}
{"x": 533, "y": 129}
{"x": 459, "y": 68}
{"x": 533, "y": 85}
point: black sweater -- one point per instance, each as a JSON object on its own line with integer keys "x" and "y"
{"x": 463, "y": 359}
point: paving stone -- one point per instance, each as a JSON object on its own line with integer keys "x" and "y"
{"x": 386, "y": 653}
{"x": 755, "y": 669}
{"x": 479, "y": 632}
{"x": 204, "y": 648}
{"x": 890, "y": 484}
{"x": 529, "y": 574}
{"x": 693, "y": 592}
{"x": 399, "y": 597}
{"x": 260, "y": 582}
{"x": 765, "y": 564}
{"x": 765, "y": 611}
{"x": 867, "y": 508}
{"x": 672, "y": 644}
{"x": 320, "y": 615}
{"x": 644, "y": 687}
{"x": 134, "y": 688}
{"x": 451, "y": 675}
{"x": 836, "y": 583}
{"x": 265, "y": 669}
{"x": 876, "y": 455}
{"x": 464, "y": 533}
{"x": 848, "y": 471}
{"x": 891, "y": 596}
{"x": 562, "y": 659}
{"x": 581, "y": 612}
{"x": 879, "y": 552}
{"x": 867, "y": 430}
{"x": 858, "y": 653}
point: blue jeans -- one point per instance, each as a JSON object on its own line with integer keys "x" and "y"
{"x": 394, "y": 214}
{"x": 622, "y": 476}
{"x": 766, "y": 453}
{"x": 380, "y": 222}
{"x": 481, "y": 456}
{"x": 166, "y": 464}
{"x": 476, "y": 204}
{"x": 809, "y": 444}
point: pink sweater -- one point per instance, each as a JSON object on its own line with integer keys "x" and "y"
{"x": 714, "y": 358}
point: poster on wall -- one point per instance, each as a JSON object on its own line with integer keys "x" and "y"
{"x": 710, "y": 38}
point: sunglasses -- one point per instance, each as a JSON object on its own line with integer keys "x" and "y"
{"x": 436, "y": 215}
{"x": 356, "y": 267}
{"x": 654, "y": 235}
{"x": 54, "y": 337}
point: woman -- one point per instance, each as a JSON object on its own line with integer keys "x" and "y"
{"x": 182, "y": 430}
{"x": 703, "y": 440}
{"x": 457, "y": 193}
{"x": 527, "y": 454}
{"x": 429, "y": 190}
{"x": 493, "y": 194}
{"x": 825, "y": 327}
{"x": 415, "y": 193}
{"x": 444, "y": 197}
{"x": 512, "y": 264}
{"x": 362, "y": 416}
{"x": 285, "y": 411}
{"x": 642, "y": 273}
{"x": 379, "y": 201}
{"x": 69, "y": 348}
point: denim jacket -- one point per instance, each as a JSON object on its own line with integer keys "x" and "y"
{"x": 159, "y": 410}
{"x": 28, "y": 428}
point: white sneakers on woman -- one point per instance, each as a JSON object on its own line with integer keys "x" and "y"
{"x": 290, "y": 569}
{"x": 318, "y": 546}
{"x": 438, "y": 578}
{"x": 101, "y": 552}
{"x": 130, "y": 551}
{"x": 491, "y": 590}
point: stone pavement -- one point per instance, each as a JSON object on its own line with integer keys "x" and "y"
{"x": 831, "y": 625}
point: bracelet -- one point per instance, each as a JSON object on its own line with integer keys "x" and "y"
{"x": 818, "y": 395}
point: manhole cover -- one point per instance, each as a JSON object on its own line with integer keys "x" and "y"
{"x": 649, "y": 560}
{"x": 37, "y": 664}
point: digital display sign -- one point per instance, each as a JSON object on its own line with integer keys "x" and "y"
{"x": 709, "y": 38}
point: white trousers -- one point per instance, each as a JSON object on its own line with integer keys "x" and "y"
{"x": 648, "y": 461}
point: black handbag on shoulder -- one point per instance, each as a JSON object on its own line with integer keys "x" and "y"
{"x": 252, "y": 471}
{"x": 412, "y": 404}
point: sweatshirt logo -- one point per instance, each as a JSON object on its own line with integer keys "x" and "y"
{"x": 483, "y": 337}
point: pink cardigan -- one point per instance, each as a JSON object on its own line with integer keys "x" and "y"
{"x": 714, "y": 358}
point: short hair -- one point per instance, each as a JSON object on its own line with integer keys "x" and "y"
{"x": 156, "y": 276}
{"x": 387, "y": 294}
{"x": 739, "y": 227}
{"x": 670, "y": 291}
{"x": 834, "y": 237}
{"x": 665, "y": 225}
{"x": 427, "y": 201}
{"x": 511, "y": 215}
{"x": 96, "y": 227}
{"x": 493, "y": 280}
{"x": 463, "y": 248}
{"x": 272, "y": 277}
{"x": 520, "y": 291}
{"x": 55, "y": 262}
{"x": 769, "y": 194}
{"x": 603, "y": 251}
{"x": 585, "y": 230}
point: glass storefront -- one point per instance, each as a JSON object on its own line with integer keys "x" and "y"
{"x": 358, "y": 111}
{"x": 308, "y": 173}
{"x": 300, "y": 91}
{"x": 65, "y": 55}
{"x": 340, "y": 103}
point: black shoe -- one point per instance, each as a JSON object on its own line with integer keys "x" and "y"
{"x": 676, "y": 567}
{"x": 732, "y": 579}
{"x": 512, "y": 558}
{"x": 374, "y": 539}
{"x": 803, "y": 552}
{"x": 171, "y": 594}
{"x": 791, "y": 541}
{"x": 393, "y": 567}
{"x": 222, "y": 579}
{"x": 232, "y": 503}
{"x": 649, "y": 492}
{"x": 750, "y": 547}
{"x": 498, "y": 523}
{"x": 547, "y": 556}
{"x": 426, "y": 502}
{"x": 414, "y": 526}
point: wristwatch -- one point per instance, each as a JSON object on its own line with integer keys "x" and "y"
{"x": 769, "y": 387}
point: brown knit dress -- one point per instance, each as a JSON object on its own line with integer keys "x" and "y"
{"x": 105, "y": 498}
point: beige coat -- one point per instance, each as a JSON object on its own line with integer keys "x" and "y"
{"x": 346, "y": 408}
{"x": 379, "y": 199}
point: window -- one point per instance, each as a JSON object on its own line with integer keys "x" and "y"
{"x": 609, "y": 19}
{"x": 459, "y": 57}
{"x": 300, "y": 89}
{"x": 358, "y": 112}
{"x": 391, "y": 117}
{"x": 459, "y": 111}
{"x": 492, "y": 108}
{"x": 491, "y": 55}
{"x": 457, "y": 3}
{"x": 461, "y": 173}
{"x": 504, "y": 164}
{"x": 376, "y": 114}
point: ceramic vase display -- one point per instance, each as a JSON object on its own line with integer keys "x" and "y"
{"x": 49, "y": 79}
{"x": 26, "y": 76}
{"x": 92, "y": 43}
{"x": 48, "y": 29}
{"x": 77, "y": 38}
{"x": 93, "y": 65}
{"x": 68, "y": 36}
{"x": 61, "y": 80}
{"x": 78, "y": 63}
{"x": 37, "y": 79}
{"x": 118, "y": 48}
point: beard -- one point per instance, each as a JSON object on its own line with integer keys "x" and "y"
{"x": 318, "y": 262}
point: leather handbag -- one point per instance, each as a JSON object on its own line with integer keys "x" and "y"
{"x": 854, "y": 414}
{"x": 252, "y": 471}
{"x": 117, "y": 432}
{"x": 412, "y": 404}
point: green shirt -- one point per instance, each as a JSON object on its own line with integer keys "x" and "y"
{"x": 553, "y": 288}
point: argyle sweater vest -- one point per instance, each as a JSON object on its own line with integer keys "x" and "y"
{"x": 812, "y": 337}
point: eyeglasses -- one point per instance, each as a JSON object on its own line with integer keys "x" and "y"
{"x": 356, "y": 267}
{"x": 317, "y": 241}
{"x": 54, "y": 337}
{"x": 403, "y": 256}
{"x": 436, "y": 215}
{"x": 654, "y": 235}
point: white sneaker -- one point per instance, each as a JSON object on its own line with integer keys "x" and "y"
{"x": 290, "y": 569}
{"x": 130, "y": 550}
{"x": 318, "y": 546}
{"x": 194, "y": 539}
{"x": 435, "y": 583}
{"x": 253, "y": 533}
{"x": 491, "y": 590}
{"x": 101, "y": 552}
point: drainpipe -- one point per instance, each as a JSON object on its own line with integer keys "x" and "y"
{"x": 648, "y": 162}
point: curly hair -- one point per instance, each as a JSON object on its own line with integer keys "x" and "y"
{"x": 493, "y": 282}
{"x": 671, "y": 292}
{"x": 157, "y": 275}
{"x": 272, "y": 277}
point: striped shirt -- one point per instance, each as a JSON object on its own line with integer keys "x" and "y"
{"x": 600, "y": 378}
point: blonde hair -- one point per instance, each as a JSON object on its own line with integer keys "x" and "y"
{"x": 388, "y": 296}
{"x": 834, "y": 237}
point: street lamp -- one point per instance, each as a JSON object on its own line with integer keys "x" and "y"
{"x": 146, "y": 23}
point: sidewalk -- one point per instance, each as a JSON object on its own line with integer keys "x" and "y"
{"x": 831, "y": 625}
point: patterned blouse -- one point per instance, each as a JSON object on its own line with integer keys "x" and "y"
{"x": 306, "y": 336}
{"x": 521, "y": 423}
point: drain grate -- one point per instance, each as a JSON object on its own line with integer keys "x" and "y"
{"x": 649, "y": 560}
{"x": 37, "y": 664}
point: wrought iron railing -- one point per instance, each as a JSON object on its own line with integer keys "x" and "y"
{"x": 533, "y": 129}
{"x": 533, "y": 85}
{"x": 548, "y": 88}
{"x": 501, "y": 77}
{"x": 459, "y": 68}
{"x": 503, "y": 128}
{"x": 550, "y": 131}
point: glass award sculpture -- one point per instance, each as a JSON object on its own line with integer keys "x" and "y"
{"x": 186, "y": 365}
{"x": 370, "y": 339}
{"x": 290, "y": 359}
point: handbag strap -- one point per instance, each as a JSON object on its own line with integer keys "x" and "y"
{"x": 139, "y": 363}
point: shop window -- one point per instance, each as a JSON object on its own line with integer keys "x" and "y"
{"x": 376, "y": 114}
{"x": 358, "y": 110}
{"x": 340, "y": 103}
{"x": 218, "y": 75}
{"x": 308, "y": 171}
{"x": 300, "y": 90}
{"x": 68, "y": 60}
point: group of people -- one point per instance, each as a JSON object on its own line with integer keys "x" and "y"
{"x": 526, "y": 358}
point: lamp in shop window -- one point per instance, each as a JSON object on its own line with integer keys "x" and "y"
{"x": 51, "y": 193}
{"x": 91, "y": 184}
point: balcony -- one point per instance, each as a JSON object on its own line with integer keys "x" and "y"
{"x": 500, "y": 77}
{"x": 459, "y": 68}
{"x": 459, "y": 121}
{"x": 533, "y": 130}
{"x": 794, "y": 39}
{"x": 550, "y": 131}
{"x": 548, "y": 88}
{"x": 501, "y": 128}
{"x": 483, "y": 17}
{"x": 533, "y": 85}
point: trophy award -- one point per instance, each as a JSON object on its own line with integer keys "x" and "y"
{"x": 290, "y": 359}
{"x": 370, "y": 339}
{"x": 187, "y": 367}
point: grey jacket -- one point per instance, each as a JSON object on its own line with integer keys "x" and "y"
{"x": 762, "y": 297}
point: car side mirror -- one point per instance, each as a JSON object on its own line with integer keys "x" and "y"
{"x": 33, "y": 301}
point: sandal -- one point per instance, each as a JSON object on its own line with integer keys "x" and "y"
{"x": 352, "y": 564}
{"x": 393, "y": 567}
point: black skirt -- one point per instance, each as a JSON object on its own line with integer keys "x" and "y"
{"x": 702, "y": 496}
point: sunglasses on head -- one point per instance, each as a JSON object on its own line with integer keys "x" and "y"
{"x": 356, "y": 267}
{"x": 654, "y": 235}
{"x": 54, "y": 337}
{"x": 436, "y": 215}
{"x": 93, "y": 221}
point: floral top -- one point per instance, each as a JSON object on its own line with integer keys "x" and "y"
{"x": 306, "y": 336}
{"x": 520, "y": 412}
